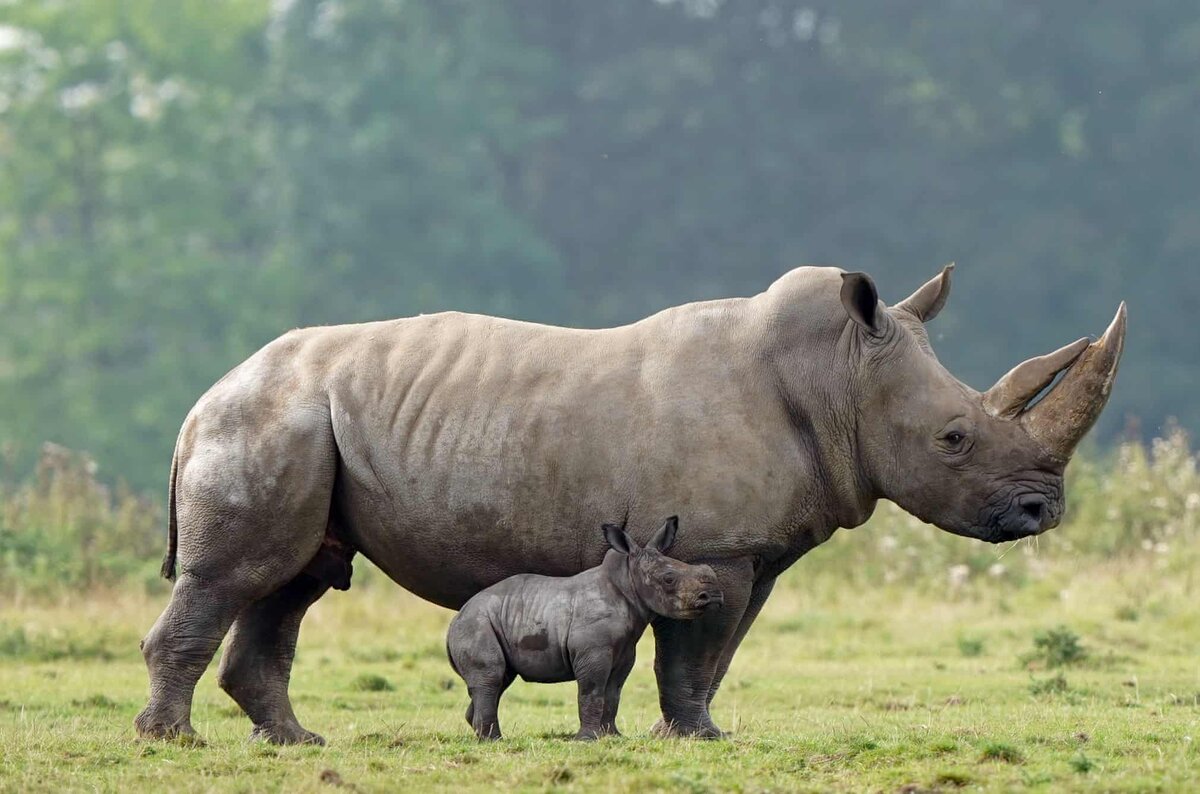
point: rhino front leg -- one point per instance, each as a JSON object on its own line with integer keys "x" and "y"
{"x": 758, "y": 596}
{"x": 688, "y": 655}
{"x": 257, "y": 664}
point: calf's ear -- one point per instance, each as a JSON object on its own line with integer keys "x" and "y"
{"x": 619, "y": 539}
{"x": 665, "y": 537}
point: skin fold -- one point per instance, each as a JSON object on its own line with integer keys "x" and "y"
{"x": 581, "y": 628}
{"x": 456, "y": 450}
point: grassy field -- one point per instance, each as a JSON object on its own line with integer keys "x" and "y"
{"x": 883, "y": 688}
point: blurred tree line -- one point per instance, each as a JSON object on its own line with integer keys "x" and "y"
{"x": 182, "y": 180}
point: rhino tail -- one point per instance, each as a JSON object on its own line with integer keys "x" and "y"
{"x": 168, "y": 565}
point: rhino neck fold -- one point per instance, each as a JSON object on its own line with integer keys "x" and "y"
{"x": 833, "y": 490}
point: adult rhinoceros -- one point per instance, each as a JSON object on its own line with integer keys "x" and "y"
{"x": 454, "y": 450}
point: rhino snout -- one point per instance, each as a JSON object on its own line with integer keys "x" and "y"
{"x": 710, "y": 598}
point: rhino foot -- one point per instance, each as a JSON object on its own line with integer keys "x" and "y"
{"x": 285, "y": 734}
{"x": 670, "y": 729}
{"x": 151, "y": 729}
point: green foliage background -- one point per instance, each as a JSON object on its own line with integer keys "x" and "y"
{"x": 182, "y": 180}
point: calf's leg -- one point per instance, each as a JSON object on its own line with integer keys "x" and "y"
{"x": 476, "y": 655}
{"x": 592, "y": 668}
{"x": 612, "y": 696}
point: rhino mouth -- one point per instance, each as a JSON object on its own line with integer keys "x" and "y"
{"x": 705, "y": 602}
{"x": 1019, "y": 512}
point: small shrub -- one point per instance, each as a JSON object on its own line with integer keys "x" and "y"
{"x": 1057, "y": 647}
{"x": 970, "y": 647}
{"x": 1082, "y": 764}
{"x": 943, "y": 746}
{"x": 1054, "y": 685}
{"x": 370, "y": 682}
{"x": 1001, "y": 751}
{"x": 1128, "y": 613}
{"x": 102, "y": 702}
{"x": 953, "y": 777}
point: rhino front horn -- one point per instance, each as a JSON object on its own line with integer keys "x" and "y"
{"x": 1069, "y": 410}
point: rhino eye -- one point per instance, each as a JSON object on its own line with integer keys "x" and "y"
{"x": 669, "y": 580}
{"x": 955, "y": 438}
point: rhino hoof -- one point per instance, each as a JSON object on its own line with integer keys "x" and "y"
{"x": 285, "y": 734}
{"x": 676, "y": 730}
{"x": 180, "y": 733}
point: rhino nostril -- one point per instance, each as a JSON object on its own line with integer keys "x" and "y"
{"x": 1033, "y": 506}
{"x": 1035, "y": 509}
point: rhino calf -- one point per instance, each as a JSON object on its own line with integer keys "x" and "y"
{"x": 583, "y": 628}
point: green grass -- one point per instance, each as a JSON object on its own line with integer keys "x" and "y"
{"x": 835, "y": 689}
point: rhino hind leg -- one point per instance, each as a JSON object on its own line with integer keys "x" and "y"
{"x": 248, "y": 523}
{"x": 177, "y": 650}
{"x": 256, "y": 665}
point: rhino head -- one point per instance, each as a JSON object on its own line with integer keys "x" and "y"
{"x": 984, "y": 465}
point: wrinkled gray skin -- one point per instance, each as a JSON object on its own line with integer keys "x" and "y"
{"x": 581, "y": 628}
{"x": 456, "y": 450}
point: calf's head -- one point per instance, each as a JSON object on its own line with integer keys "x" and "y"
{"x": 985, "y": 465}
{"x": 667, "y": 586}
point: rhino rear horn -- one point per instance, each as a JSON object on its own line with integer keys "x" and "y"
{"x": 1062, "y": 418}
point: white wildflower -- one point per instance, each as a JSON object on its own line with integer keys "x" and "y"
{"x": 79, "y": 97}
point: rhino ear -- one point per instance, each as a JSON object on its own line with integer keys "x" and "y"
{"x": 861, "y": 300}
{"x": 665, "y": 537}
{"x": 619, "y": 539}
{"x": 926, "y": 302}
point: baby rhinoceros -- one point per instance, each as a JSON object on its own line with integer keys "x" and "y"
{"x": 585, "y": 627}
